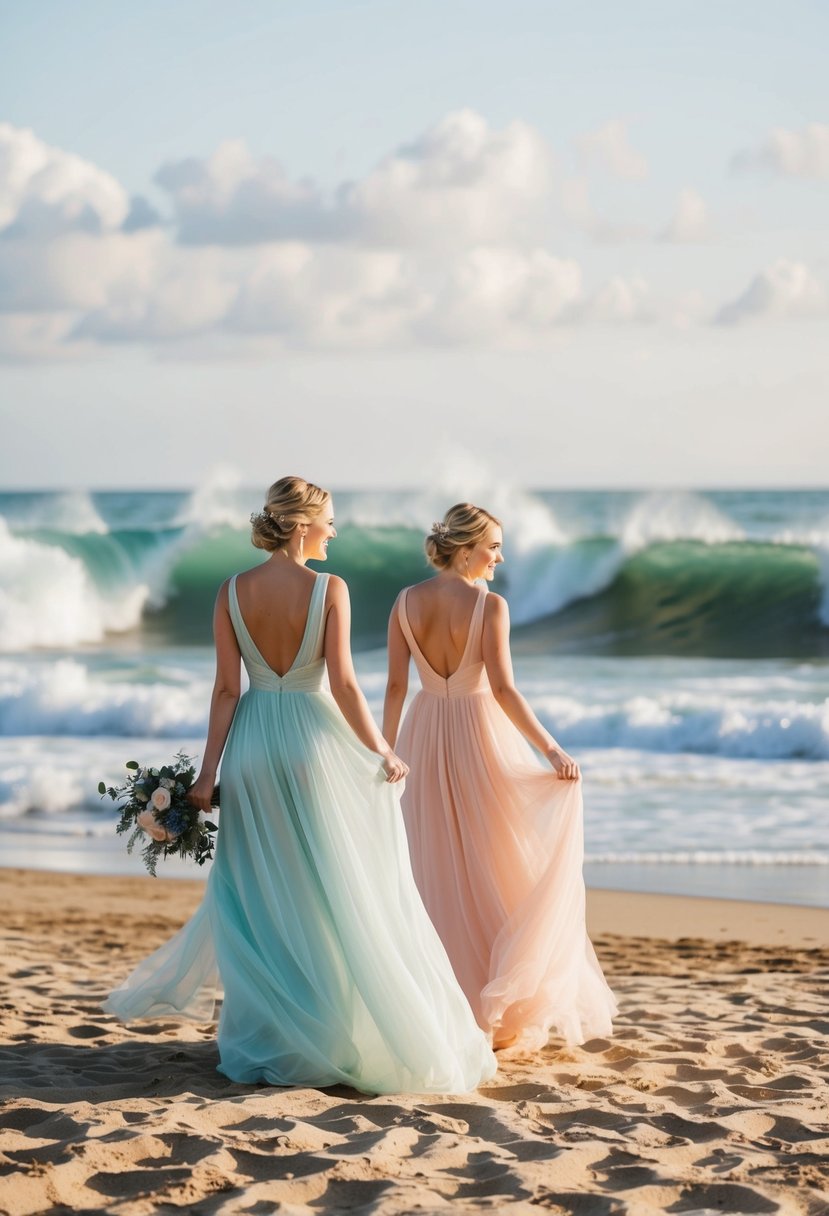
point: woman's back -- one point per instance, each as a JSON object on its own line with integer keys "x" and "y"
{"x": 441, "y": 616}
{"x": 274, "y": 604}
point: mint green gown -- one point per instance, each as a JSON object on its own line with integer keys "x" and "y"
{"x": 311, "y": 921}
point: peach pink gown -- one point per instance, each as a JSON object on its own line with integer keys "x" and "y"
{"x": 496, "y": 842}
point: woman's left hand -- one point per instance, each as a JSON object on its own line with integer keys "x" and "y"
{"x": 565, "y": 766}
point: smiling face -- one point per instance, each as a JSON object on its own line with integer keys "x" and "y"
{"x": 480, "y": 561}
{"x": 320, "y": 531}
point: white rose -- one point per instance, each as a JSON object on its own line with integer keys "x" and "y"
{"x": 160, "y": 798}
{"x": 151, "y": 826}
{"x": 167, "y": 782}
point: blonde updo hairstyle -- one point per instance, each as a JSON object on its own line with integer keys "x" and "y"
{"x": 291, "y": 501}
{"x": 463, "y": 526}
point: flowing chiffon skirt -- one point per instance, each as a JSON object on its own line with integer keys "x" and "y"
{"x": 332, "y": 971}
{"x": 497, "y": 846}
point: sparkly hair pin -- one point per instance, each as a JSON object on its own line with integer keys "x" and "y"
{"x": 261, "y": 517}
{"x": 440, "y": 529}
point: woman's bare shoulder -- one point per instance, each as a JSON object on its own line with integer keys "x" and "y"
{"x": 336, "y": 590}
{"x": 496, "y": 607}
{"x": 418, "y": 591}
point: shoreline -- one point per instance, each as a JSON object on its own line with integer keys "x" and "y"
{"x": 619, "y": 912}
{"x": 801, "y": 886}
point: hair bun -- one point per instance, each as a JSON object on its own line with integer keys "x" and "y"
{"x": 462, "y": 527}
{"x": 289, "y": 502}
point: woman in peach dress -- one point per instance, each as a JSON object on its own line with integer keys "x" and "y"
{"x": 495, "y": 835}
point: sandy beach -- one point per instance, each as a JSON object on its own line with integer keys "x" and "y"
{"x": 709, "y": 1097}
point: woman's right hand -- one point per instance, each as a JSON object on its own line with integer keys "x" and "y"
{"x": 564, "y": 765}
{"x": 200, "y": 792}
{"x": 394, "y": 768}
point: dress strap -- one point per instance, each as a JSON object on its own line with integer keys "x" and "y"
{"x": 244, "y": 639}
{"x": 311, "y": 647}
{"x": 471, "y": 653}
{"x": 403, "y": 617}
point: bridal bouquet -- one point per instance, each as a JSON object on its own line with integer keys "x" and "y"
{"x": 156, "y": 806}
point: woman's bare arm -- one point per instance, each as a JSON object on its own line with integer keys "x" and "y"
{"x": 344, "y": 687}
{"x": 397, "y": 684}
{"x": 498, "y": 661}
{"x": 226, "y": 689}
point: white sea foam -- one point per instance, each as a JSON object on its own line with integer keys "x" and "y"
{"x": 711, "y": 857}
{"x": 65, "y": 699}
{"x": 50, "y": 597}
{"x": 70, "y": 511}
{"x": 672, "y": 515}
{"x": 679, "y": 721}
{"x": 51, "y": 785}
{"x": 218, "y": 502}
{"x": 47, "y": 598}
{"x": 547, "y": 577}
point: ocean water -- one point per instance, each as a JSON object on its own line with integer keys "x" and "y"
{"x": 676, "y": 643}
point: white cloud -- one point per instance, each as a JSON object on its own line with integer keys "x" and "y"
{"x": 233, "y": 199}
{"x": 299, "y": 295}
{"x": 620, "y": 300}
{"x": 44, "y": 190}
{"x": 38, "y": 336}
{"x": 501, "y": 295}
{"x": 77, "y": 271}
{"x": 460, "y": 182}
{"x": 784, "y": 289}
{"x": 609, "y": 148}
{"x": 803, "y": 153}
{"x": 579, "y": 210}
{"x": 171, "y": 294}
{"x": 435, "y": 246}
{"x": 432, "y": 246}
{"x": 690, "y": 220}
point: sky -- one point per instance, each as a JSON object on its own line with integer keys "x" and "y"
{"x": 573, "y": 244}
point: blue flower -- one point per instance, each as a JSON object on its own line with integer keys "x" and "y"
{"x": 177, "y": 821}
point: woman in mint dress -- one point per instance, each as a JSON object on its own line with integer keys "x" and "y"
{"x": 311, "y": 922}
